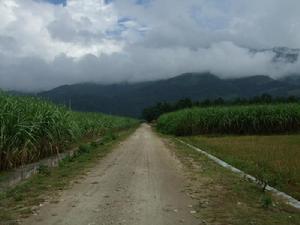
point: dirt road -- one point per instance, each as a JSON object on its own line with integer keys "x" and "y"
{"x": 139, "y": 183}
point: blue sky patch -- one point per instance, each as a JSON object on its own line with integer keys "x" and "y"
{"x": 108, "y": 1}
{"x": 142, "y": 2}
{"x": 138, "y": 2}
{"x": 57, "y": 2}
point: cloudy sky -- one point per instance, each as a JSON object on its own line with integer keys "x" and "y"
{"x": 47, "y": 43}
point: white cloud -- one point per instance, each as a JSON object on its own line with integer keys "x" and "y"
{"x": 45, "y": 30}
{"x": 44, "y": 45}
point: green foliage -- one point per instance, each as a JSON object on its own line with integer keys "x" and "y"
{"x": 44, "y": 170}
{"x": 84, "y": 148}
{"x": 31, "y": 129}
{"x": 266, "y": 201}
{"x": 154, "y": 112}
{"x": 263, "y": 175}
{"x": 94, "y": 144}
{"x": 252, "y": 119}
{"x": 110, "y": 136}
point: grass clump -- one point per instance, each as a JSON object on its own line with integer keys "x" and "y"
{"x": 266, "y": 201}
{"x": 44, "y": 170}
{"x": 84, "y": 148}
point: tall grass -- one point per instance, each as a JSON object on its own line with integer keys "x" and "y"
{"x": 254, "y": 119}
{"x": 31, "y": 129}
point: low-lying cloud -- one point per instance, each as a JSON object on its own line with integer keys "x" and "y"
{"x": 43, "y": 45}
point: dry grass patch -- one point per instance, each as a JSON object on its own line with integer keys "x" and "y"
{"x": 275, "y": 158}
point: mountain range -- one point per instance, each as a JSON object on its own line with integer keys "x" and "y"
{"x": 129, "y": 99}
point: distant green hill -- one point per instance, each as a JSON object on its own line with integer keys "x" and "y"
{"x": 130, "y": 99}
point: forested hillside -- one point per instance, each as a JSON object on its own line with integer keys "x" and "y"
{"x": 130, "y": 99}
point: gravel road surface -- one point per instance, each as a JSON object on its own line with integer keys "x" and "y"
{"x": 139, "y": 183}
